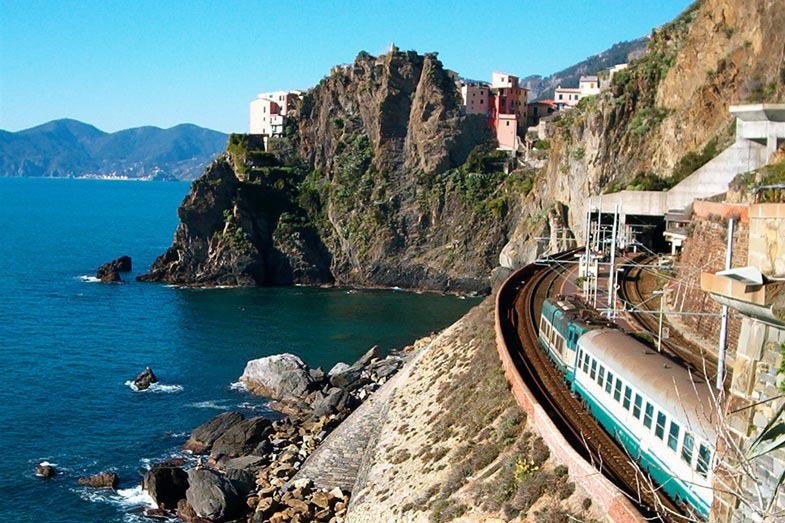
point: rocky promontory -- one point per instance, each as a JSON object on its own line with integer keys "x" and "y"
{"x": 379, "y": 180}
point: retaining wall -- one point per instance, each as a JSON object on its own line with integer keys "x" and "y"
{"x": 613, "y": 502}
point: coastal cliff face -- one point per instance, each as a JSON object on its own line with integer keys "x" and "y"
{"x": 659, "y": 117}
{"x": 379, "y": 181}
{"x": 369, "y": 186}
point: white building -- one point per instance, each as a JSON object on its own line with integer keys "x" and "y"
{"x": 268, "y": 112}
{"x": 589, "y": 85}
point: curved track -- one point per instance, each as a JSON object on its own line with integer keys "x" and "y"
{"x": 687, "y": 353}
{"x": 519, "y": 302}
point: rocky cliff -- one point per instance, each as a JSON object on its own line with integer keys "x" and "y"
{"x": 659, "y": 119}
{"x": 373, "y": 184}
{"x": 379, "y": 180}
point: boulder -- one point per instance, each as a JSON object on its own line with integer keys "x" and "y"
{"x": 212, "y": 496}
{"x": 110, "y": 272}
{"x": 242, "y": 438}
{"x": 374, "y": 353}
{"x": 338, "y": 368}
{"x": 249, "y": 463}
{"x": 44, "y": 470}
{"x": 145, "y": 379}
{"x": 203, "y": 436}
{"x": 330, "y": 403}
{"x": 101, "y": 480}
{"x": 351, "y": 379}
{"x": 244, "y": 481}
{"x": 385, "y": 368}
{"x": 166, "y": 485}
{"x": 280, "y": 377}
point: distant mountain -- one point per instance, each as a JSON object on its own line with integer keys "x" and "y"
{"x": 541, "y": 88}
{"x": 72, "y": 149}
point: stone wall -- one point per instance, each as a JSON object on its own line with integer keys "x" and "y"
{"x": 704, "y": 251}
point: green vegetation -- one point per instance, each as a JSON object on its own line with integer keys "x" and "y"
{"x": 770, "y": 175}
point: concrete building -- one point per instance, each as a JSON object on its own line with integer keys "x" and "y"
{"x": 760, "y": 130}
{"x": 476, "y": 98}
{"x": 268, "y": 112}
{"x": 566, "y": 97}
{"x": 537, "y": 110}
{"x": 589, "y": 85}
{"x": 503, "y": 102}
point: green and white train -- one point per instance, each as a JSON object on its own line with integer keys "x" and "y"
{"x": 662, "y": 414}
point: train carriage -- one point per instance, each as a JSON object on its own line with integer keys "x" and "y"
{"x": 562, "y": 322}
{"x": 661, "y": 413}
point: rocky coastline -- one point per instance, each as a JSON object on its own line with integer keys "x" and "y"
{"x": 244, "y": 468}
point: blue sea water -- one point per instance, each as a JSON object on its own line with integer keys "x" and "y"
{"x": 68, "y": 345}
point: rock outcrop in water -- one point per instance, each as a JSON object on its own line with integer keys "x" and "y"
{"x": 145, "y": 378}
{"x": 110, "y": 272}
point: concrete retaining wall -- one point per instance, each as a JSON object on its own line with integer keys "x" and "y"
{"x": 613, "y": 502}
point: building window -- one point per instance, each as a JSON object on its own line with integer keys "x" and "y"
{"x": 508, "y": 123}
{"x": 561, "y": 97}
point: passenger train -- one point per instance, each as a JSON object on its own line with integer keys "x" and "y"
{"x": 663, "y": 415}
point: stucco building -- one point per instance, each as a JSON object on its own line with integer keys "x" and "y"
{"x": 268, "y": 112}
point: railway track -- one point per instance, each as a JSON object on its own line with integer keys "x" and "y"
{"x": 523, "y": 300}
{"x": 677, "y": 346}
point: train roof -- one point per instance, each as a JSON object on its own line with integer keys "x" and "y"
{"x": 677, "y": 390}
{"x": 578, "y": 312}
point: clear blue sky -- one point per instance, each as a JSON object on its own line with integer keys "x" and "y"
{"x": 118, "y": 64}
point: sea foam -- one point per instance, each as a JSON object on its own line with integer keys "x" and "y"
{"x": 156, "y": 387}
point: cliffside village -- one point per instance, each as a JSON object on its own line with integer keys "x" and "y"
{"x": 503, "y": 101}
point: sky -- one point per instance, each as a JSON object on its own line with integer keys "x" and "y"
{"x": 117, "y": 64}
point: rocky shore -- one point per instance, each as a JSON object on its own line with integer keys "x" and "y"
{"x": 244, "y": 468}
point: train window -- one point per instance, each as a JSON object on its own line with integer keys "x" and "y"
{"x": 673, "y": 436}
{"x": 617, "y": 391}
{"x": 586, "y": 364}
{"x": 704, "y": 456}
{"x": 609, "y": 383}
{"x": 648, "y": 415}
{"x": 627, "y": 397}
{"x": 686, "y": 449}
{"x": 580, "y": 358}
{"x": 601, "y": 376}
{"x": 659, "y": 430}
{"x": 593, "y": 374}
{"x": 636, "y": 407}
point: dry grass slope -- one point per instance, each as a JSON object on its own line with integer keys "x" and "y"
{"x": 456, "y": 447}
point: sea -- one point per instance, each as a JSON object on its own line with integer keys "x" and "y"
{"x": 70, "y": 346}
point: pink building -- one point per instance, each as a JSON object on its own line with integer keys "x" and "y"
{"x": 503, "y": 102}
{"x": 475, "y": 98}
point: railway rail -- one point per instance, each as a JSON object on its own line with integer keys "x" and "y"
{"x": 687, "y": 353}
{"x": 520, "y": 298}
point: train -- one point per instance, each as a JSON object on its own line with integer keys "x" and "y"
{"x": 661, "y": 413}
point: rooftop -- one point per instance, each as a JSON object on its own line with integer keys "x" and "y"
{"x": 759, "y": 112}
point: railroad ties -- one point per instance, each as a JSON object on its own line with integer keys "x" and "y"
{"x": 567, "y": 411}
